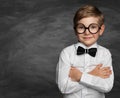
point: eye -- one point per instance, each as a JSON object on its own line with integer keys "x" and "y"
{"x": 94, "y": 26}
{"x": 80, "y": 27}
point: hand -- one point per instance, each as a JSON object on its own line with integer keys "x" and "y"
{"x": 103, "y": 72}
{"x": 75, "y": 74}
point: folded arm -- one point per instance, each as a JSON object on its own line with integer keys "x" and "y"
{"x": 65, "y": 84}
{"x": 100, "y": 78}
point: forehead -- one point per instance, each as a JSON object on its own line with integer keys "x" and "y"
{"x": 88, "y": 20}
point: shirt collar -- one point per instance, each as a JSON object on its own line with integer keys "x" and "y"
{"x": 84, "y": 46}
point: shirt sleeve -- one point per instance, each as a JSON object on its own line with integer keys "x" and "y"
{"x": 65, "y": 84}
{"x": 100, "y": 84}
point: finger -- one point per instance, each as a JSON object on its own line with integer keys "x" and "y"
{"x": 99, "y": 66}
{"x": 107, "y": 76}
{"x": 104, "y": 76}
{"x": 106, "y": 68}
{"x": 107, "y": 73}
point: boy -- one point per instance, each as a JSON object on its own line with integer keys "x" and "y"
{"x": 85, "y": 69}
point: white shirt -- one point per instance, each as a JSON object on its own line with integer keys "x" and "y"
{"x": 89, "y": 86}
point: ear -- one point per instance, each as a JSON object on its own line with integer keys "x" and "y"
{"x": 102, "y": 29}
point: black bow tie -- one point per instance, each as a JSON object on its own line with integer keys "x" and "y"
{"x": 91, "y": 51}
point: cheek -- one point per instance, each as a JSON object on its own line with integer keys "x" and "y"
{"x": 79, "y": 36}
{"x": 96, "y": 36}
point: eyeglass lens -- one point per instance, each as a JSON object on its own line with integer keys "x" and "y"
{"x": 92, "y": 28}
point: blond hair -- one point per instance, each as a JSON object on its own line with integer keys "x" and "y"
{"x": 88, "y": 11}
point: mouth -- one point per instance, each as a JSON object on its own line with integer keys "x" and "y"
{"x": 87, "y": 38}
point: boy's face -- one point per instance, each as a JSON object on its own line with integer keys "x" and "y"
{"x": 88, "y": 38}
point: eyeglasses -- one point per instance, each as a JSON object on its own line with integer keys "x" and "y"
{"x": 92, "y": 28}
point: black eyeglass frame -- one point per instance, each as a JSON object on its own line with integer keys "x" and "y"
{"x": 99, "y": 27}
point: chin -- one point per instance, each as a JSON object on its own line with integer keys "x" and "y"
{"x": 88, "y": 44}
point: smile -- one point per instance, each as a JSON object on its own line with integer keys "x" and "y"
{"x": 87, "y": 38}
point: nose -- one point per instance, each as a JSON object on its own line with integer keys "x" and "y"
{"x": 87, "y": 31}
